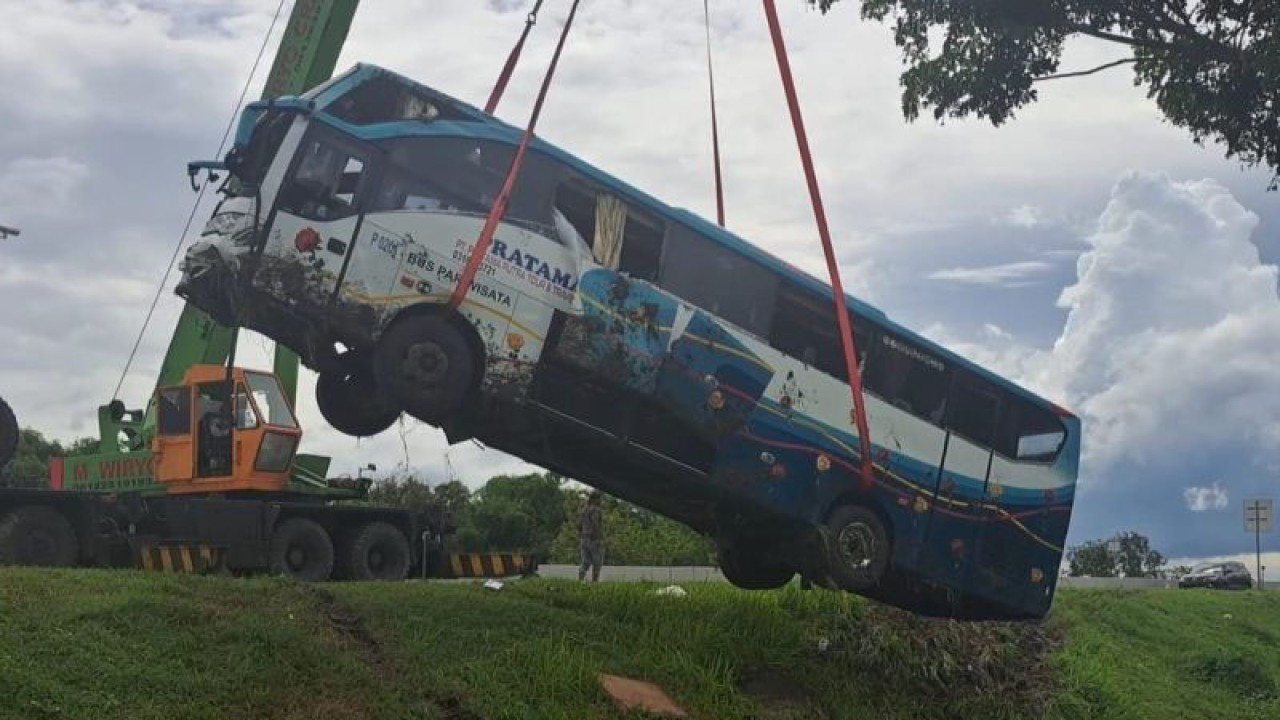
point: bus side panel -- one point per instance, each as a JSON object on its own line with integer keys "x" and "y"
{"x": 711, "y": 378}
{"x": 623, "y": 331}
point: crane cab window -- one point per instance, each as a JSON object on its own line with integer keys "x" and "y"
{"x": 246, "y": 416}
{"x": 174, "y": 406}
{"x": 213, "y": 423}
{"x": 270, "y": 400}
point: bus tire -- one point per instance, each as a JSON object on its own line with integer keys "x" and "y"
{"x": 301, "y": 549}
{"x": 37, "y": 535}
{"x": 377, "y": 551}
{"x": 425, "y": 364}
{"x": 750, "y": 570}
{"x": 858, "y": 548}
{"x": 350, "y": 402}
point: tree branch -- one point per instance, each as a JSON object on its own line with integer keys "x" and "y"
{"x": 1081, "y": 73}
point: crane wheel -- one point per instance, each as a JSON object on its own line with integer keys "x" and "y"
{"x": 349, "y": 401}
{"x": 37, "y": 535}
{"x": 301, "y": 549}
{"x": 377, "y": 551}
{"x": 425, "y": 364}
{"x": 8, "y": 434}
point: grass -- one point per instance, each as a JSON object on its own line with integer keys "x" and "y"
{"x": 89, "y": 644}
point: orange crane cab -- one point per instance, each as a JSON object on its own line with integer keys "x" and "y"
{"x": 210, "y": 439}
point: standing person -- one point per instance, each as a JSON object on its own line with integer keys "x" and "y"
{"x": 591, "y": 537}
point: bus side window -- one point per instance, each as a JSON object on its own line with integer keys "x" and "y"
{"x": 909, "y": 378}
{"x": 719, "y": 280}
{"x": 1030, "y": 433}
{"x": 804, "y": 327}
{"x": 972, "y": 409}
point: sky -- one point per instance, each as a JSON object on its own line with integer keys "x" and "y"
{"x": 1087, "y": 250}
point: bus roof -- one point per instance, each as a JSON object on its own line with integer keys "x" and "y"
{"x": 482, "y": 126}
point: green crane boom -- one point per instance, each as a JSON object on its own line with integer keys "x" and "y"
{"x": 308, "y": 53}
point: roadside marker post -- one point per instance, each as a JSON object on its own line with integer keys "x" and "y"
{"x": 1259, "y": 517}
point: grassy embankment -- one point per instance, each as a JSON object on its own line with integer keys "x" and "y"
{"x": 127, "y": 645}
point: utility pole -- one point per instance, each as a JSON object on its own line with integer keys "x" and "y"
{"x": 8, "y": 232}
{"x": 1258, "y": 518}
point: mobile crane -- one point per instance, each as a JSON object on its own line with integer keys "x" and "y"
{"x": 208, "y": 474}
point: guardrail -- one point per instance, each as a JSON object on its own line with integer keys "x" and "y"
{"x": 649, "y": 573}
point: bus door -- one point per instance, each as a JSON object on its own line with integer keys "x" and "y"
{"x": 316, "y": 218}
{"x": 957, "y": 518}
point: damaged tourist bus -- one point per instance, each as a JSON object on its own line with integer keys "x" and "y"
{"x": 631, "y": 345}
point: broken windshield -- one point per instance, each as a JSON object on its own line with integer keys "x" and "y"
{"x": 385, "y": 98}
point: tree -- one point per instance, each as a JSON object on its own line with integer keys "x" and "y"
{"x": 30, "y": 463}
{"x": 1128, "y": 554}
{"x": 402, "y": 491}
{"x": 522, "y": 513}
{"x": 1212, "y": 66}
{"x": 633, "y": 536}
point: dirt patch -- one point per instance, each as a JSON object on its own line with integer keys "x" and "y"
{"x": 960, "y": 664}
{"x": 778, "y": 697}
{"x": 349, "y": 625}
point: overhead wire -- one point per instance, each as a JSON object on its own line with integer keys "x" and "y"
{"x": 715, "y": 125}
{"x": 195, "y": 207}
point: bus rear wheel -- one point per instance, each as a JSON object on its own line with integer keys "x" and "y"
{"x": 857, "y": 548}
{"x": 302, "y": 550}
{"x": 424, "y": 363}
{"x": 747, "y": 566}
{"x": 349, "y": 401}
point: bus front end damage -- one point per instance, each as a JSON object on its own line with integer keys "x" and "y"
{"x": 214, "y": 266}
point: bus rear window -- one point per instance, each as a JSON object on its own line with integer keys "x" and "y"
{"x": 1029, "y": 432}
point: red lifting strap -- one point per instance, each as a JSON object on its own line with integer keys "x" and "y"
{"x": 500, "y": 204}
{"x": 505, "y": 76}
{"x": 819, "y": 213}
{"x": 715, "y": 126}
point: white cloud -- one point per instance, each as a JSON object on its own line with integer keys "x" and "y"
{"x": 1006, "y": 275}
{"x": 36, "y": 186}
{"x": 1200, "y": 499}
{"x": 1026, "y": 216}
{"x": 1168, "y": 350}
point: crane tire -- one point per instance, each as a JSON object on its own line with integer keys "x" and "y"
{"x": 37, "y": 535}
{"x": 377, "y": 551}
{"x": 301, "y": 549}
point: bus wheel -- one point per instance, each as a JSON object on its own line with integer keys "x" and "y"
{"x": 378, "y": 551}
{"x": 751, "y": 570}
{"x": 37, "y": 535}
{"x": 351, "y": 404}
{"x": 858, "y": 548}
{"x": 302, "y": 550}
{"x": 424, "y": 363}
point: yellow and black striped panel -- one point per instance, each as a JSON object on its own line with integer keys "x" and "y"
{"x": 180, "y": 558}
{"x": 465, "y": 565}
